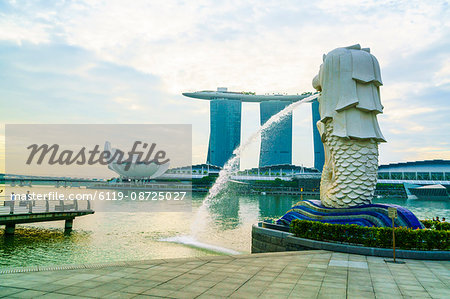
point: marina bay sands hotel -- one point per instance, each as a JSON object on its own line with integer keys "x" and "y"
{"x": 276, "y": 142}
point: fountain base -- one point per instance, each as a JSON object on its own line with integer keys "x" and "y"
{"x": 364, "y": 215}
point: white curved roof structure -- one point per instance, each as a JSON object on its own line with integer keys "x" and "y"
{"x": 223, "y": 93}
{"x": 136, "y": 170}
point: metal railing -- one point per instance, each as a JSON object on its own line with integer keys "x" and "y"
{"x": 30, "y": 206}
{"x": 152, "y": 186}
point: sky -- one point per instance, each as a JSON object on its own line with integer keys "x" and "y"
{"x": 127, "y": 62}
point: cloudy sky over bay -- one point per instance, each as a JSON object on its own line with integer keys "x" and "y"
{"x": 128, "y": 62}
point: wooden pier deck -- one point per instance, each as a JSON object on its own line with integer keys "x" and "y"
{"x": 14, "y": 212}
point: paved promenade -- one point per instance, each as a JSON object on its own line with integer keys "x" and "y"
{"x": 305, "y": 274}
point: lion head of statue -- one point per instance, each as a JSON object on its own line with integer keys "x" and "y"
{"x": 349, "y": 77}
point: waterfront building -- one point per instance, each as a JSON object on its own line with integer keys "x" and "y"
{"x": 429, "y": 179}
{"x": 319, "y": 152}
{"x": 225, "y": 125}
{"x": 225, "y": 130}
{"x": 428, "y": 170}
{"x": 276, "y": 142}
{"x": 137, "y": 170}
{"x": 197, "y": 169}
{"x": 280, "y": 170}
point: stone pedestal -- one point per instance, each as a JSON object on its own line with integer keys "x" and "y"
{"x": 10, "y": 228}
{"x": 68, "y": 225}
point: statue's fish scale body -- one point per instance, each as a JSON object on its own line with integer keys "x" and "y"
{"x": 349, "y": 175}
{"x": 349, "y": 81}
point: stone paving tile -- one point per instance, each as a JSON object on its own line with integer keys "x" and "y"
{"x": 70, "y": 290}
{"x": 133, "y": 289}
{"x": 326, "y": 292}
{"x": 56, "y": 296}
{"x": 361, "y": 294}
{"x": 276, "y": 293}
{"x": 308, "y": 282}
{"x": 146, "y": 283}
{"x": 27, "y": 294}
{"x": 96, "y": 292}
{"x": 47, "y": 287}
{"x": 119, "y": 295}
{"x": 444, "y": 294}
{"x": 304, "y": 295}
{"x": 5, "y": 291}
{"x": 157, "y": 292}
{"x": 307, "y": 274}
{"x": 206, "y": 296}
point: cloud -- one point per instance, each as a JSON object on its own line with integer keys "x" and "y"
{"x": 128, "y": 103}
{"x": 116, "y": 61}
{"x": 416, "y": 125}
{"x": 202, "y": 43}
{"x": 70, "y": 85}
{"x": 19, "y": 29}
{"x": 442, "y": 76}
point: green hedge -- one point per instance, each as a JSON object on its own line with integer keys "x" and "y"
{"x": 381, "y": 237}
{"x": 436, "y": 224}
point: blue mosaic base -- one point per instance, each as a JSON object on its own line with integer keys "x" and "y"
{"x": 365, "y": 215}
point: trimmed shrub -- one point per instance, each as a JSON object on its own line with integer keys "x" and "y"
{"x": 381, "y": 237}
{"x": 436, "y": 224}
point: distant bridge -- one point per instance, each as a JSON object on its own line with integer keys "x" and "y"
{"x": 24, "y": 180}
{"x": 28, "y": 180}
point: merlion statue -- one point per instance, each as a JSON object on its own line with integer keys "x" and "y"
{"x": 349, "y": 81}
